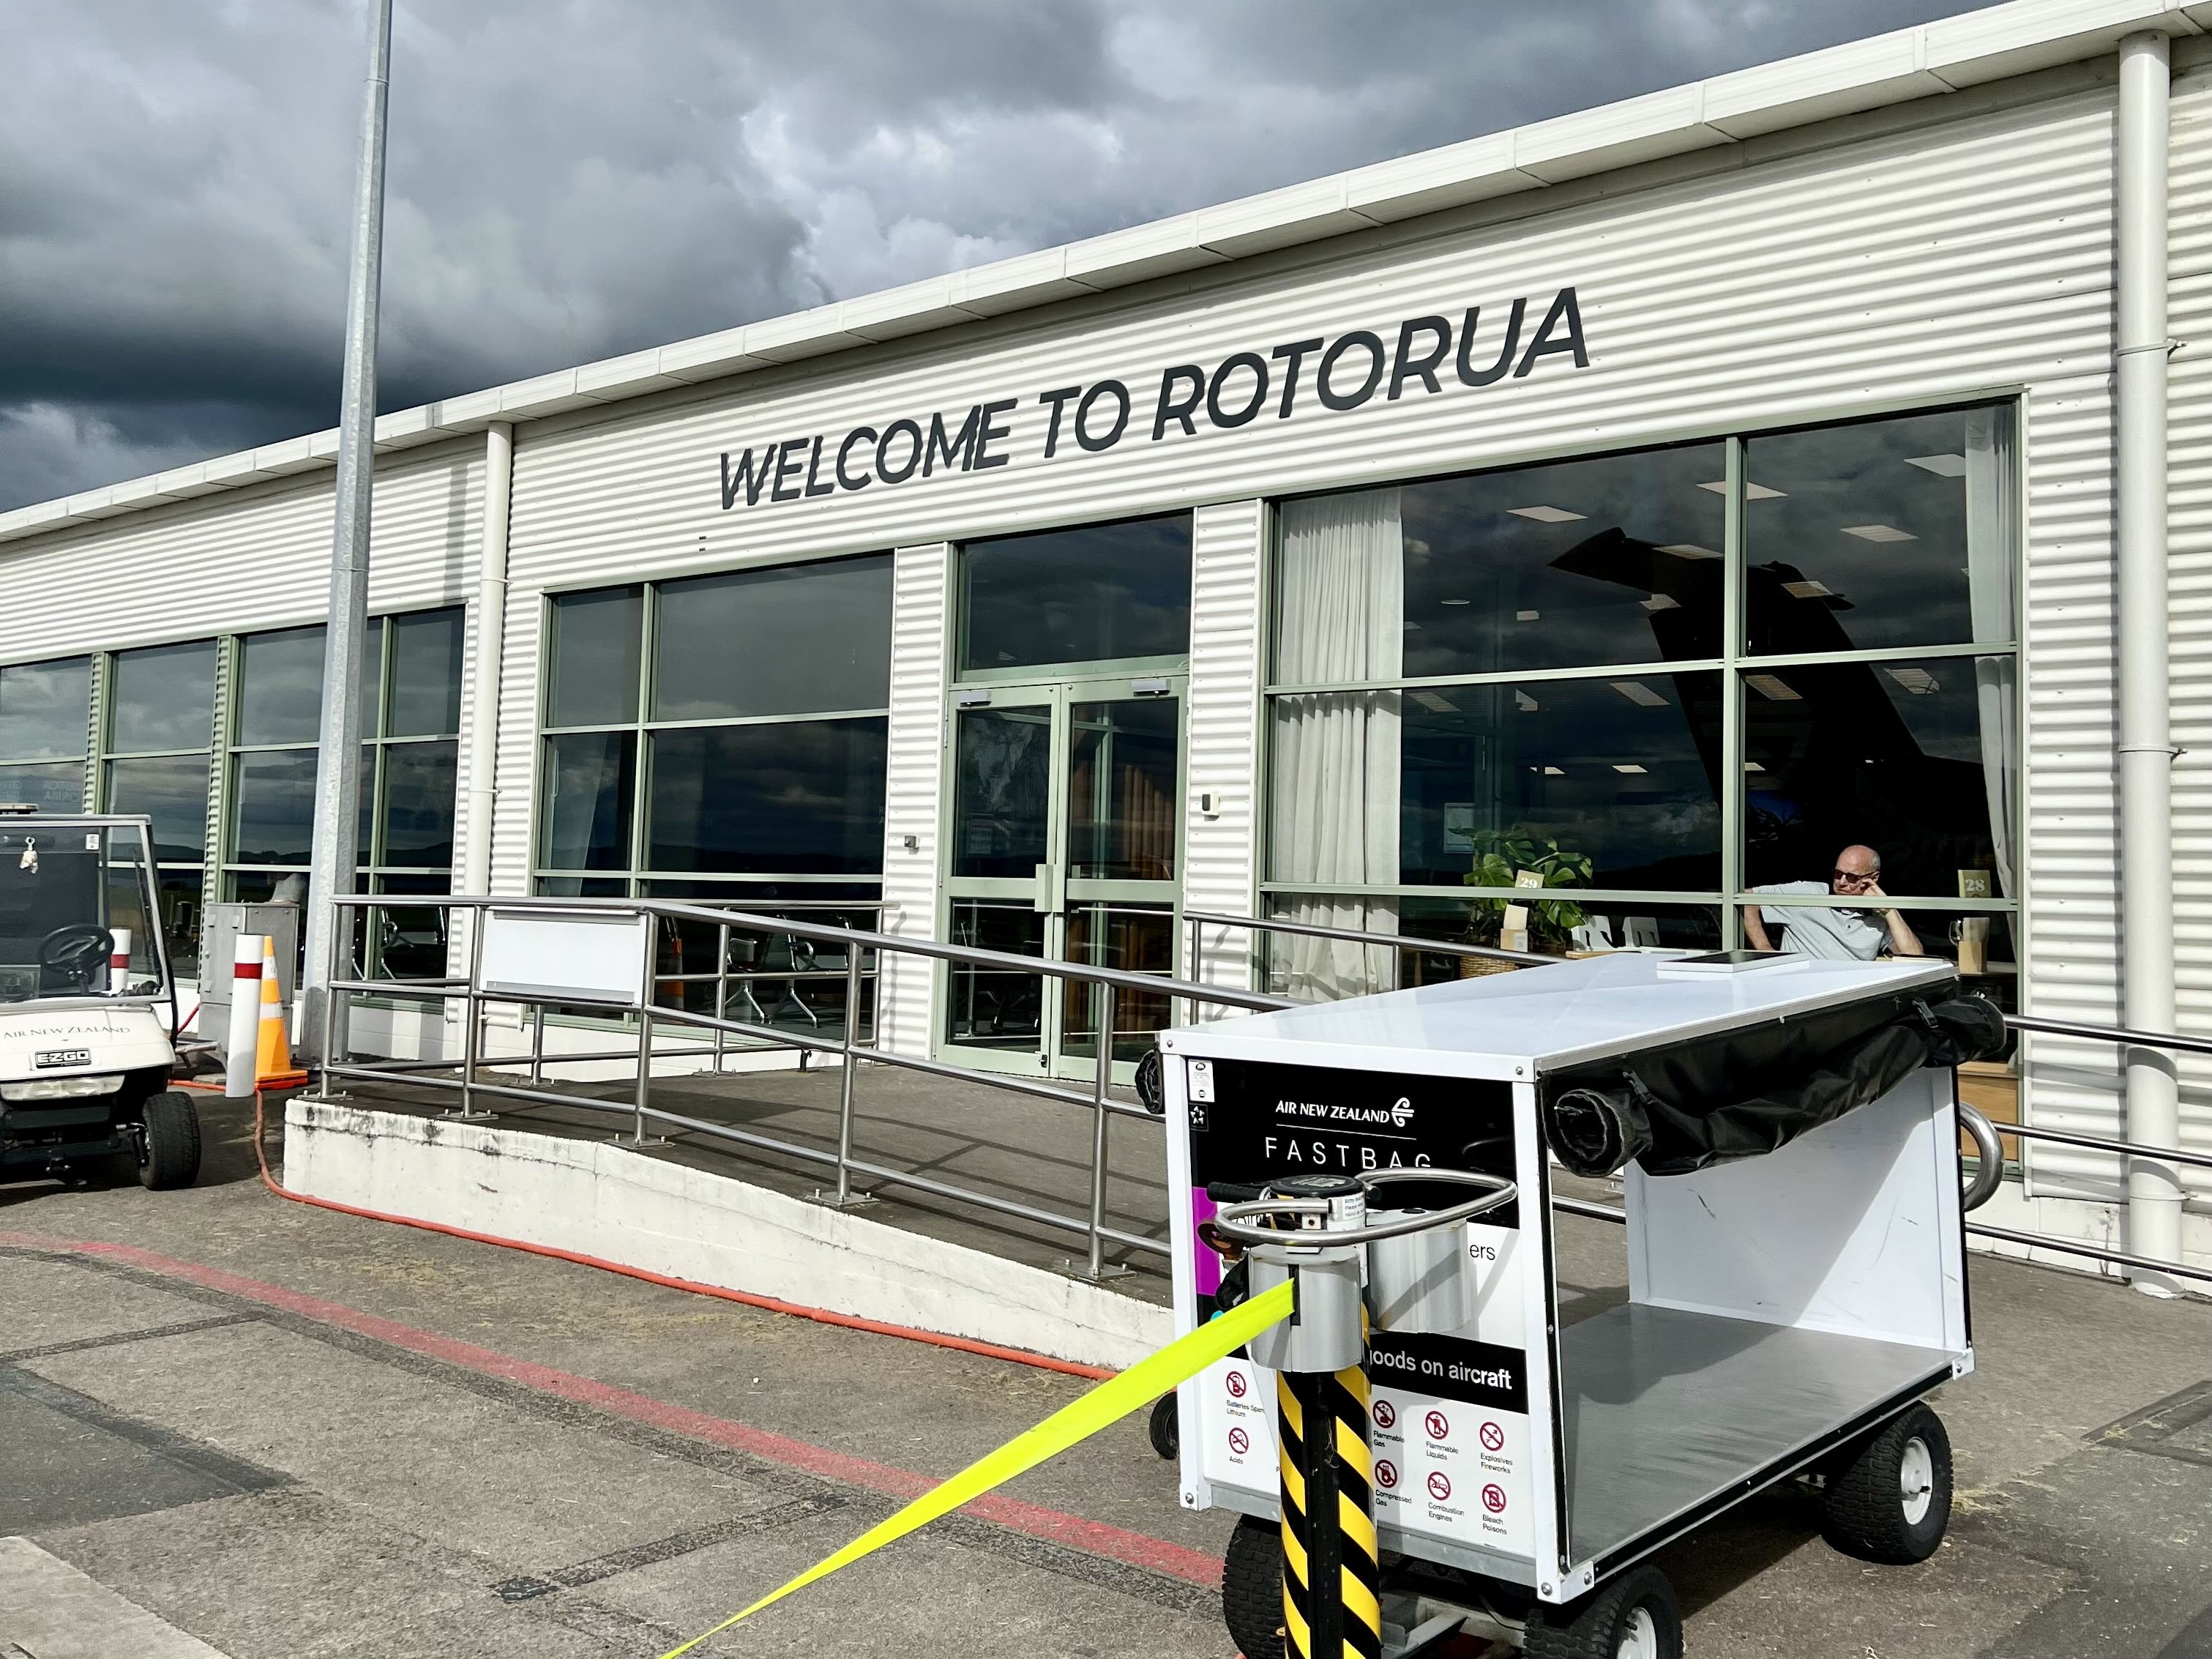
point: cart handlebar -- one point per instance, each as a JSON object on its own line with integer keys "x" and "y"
{"x": 1239, "y": 1223}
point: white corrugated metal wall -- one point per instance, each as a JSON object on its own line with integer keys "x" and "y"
{"x": 251, "y": 559}
{"x": 1222, "y": 731}
{"x": 920, "y": 621}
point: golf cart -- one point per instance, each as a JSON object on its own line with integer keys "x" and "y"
{"x": 88, "y": 1007}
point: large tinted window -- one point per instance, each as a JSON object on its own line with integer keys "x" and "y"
{"x": 44, "y": 708}
{"x": 163, "y": 697}
{"x": 591, "y": 777}
{"x": 1911, "y": 757}
{"x": 426, "y": 674}
{"x": 1100, "y": 593}
{"x": 1613, "y": 560}
{"x": 274, "y": 806}
{"x": 798, "y": 797}
{"x": 597, "y": 637}
{"x": 1503, "y": 725}
{"x": 280, "y": 686}
{"x": 1887, "y": 533}
{"x": 172, "y": 790}
{"x": 795, "y": 640}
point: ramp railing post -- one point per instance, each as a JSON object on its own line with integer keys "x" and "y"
{"x": 845, "y": 1082}
{"x": 538, "y": 1042}
{"x": 472, "y": 1020}
{"x": 1100, "y": 1113}
{"x": 721, "y": 994}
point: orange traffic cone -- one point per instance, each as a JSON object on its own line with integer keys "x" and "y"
{"x": 272, "y": 1058}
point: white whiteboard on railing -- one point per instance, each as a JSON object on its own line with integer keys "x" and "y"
{"x": 569, "y": 955}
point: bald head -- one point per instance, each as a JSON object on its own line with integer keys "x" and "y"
{"x": 1857, "y": 869}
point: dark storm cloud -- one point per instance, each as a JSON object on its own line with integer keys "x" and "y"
{"x": 568, "y": 181}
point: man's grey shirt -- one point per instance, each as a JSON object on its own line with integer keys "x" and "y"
{"x": 1838, "y": 935}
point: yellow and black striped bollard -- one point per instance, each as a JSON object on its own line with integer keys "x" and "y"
{"x": 1332, "y": 1603}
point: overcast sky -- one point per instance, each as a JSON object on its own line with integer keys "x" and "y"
{"x": 573, "y": 179}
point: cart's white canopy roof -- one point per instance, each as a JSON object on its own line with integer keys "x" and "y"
{"x": 1540, "y": 1020}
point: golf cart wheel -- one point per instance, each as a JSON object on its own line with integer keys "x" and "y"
{"x": 1892, "y": 1502}
{"x": 1252, "y": 1589}
{"x": 1165, "y": 1429}
{"x": 172, "y": 1145}
{"x": 1630, "y": 1617}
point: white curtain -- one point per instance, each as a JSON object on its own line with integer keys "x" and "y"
{"x": 1341, "y": 605}
{"x": 1993, "y": 538}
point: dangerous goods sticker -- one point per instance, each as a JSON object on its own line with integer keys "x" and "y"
{"x": 1452, "y": 1471}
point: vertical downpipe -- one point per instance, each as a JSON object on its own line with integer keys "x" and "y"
{"x": 2146, "y": 739}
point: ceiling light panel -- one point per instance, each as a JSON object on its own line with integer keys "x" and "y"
{"x": 1752, "y": 492}
{"x": 1435, "y": 701}
{"x": 1807, "y": 590}
{"x": 1919, "y": 681}
{"x": 1547, "y": 515}
{"x": 1662, "y": 602}
{"x": 1639, "y": 693}
{"x": 1879, "y": 532}
{"x": 1772, "y": 687}
{"x": 1689, "y": 550}
{"x": 1629, "y": 767}
{"x": 1943, "y": 466}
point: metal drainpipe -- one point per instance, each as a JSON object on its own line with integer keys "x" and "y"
{"x": 2146, "y": 740}
{"x": 490, "y": 644}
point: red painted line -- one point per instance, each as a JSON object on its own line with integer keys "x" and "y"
{"x": 1091, "y": 1537}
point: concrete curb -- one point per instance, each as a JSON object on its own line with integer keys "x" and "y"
{"x": 597, "y": 1199}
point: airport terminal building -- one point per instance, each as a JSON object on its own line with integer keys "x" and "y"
{"x": 1662, "y": 498}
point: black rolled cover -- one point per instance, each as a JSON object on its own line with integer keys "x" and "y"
{"x": 1659, "y": 1113}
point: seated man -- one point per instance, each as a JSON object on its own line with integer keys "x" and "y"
{"x": 1841, "y": 935}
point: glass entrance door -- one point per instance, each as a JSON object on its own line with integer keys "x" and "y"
{"x": 1065, "y": 838}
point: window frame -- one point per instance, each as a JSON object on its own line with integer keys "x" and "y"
{"x": 1736, "y": 661}
{"x": 635, "y": 876}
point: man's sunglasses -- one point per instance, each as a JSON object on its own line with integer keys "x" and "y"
{"x": 1854, "y": 878}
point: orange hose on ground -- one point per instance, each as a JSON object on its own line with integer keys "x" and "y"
{"x": 772, "y": 1304}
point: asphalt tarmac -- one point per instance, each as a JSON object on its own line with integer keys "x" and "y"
{"x": 266, "y": 1430}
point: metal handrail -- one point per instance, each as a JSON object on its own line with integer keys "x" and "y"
{"x": 862, "y": 950}
{"x": 2120, "y": 1034}
{"x": 1350, "y": 936}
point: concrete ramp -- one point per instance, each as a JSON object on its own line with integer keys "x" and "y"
{"x": 597, "y": 1199}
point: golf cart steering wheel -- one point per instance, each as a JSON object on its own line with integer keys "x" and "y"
{"x": 76, "y": 954}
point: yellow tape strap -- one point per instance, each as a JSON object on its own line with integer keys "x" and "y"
{"x": 1110, "y": 1401}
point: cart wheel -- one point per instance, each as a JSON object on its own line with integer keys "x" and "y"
{"x": 1630, "y": 1617}
{"x": 1251, "y": 1589}
{"x": 1165, "y": 1428}
{"x": 173, "y": 1143}
{"x": 1892, "y": 1502}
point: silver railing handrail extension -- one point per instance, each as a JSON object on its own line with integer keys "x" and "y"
{"x": 2120, "y": 1034}
{"x": 863, "y": 952}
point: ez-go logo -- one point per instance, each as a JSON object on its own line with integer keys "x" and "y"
{"x": 64, "y": 1057}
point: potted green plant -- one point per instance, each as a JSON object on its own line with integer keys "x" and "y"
{"x": 1500, "y": 856}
